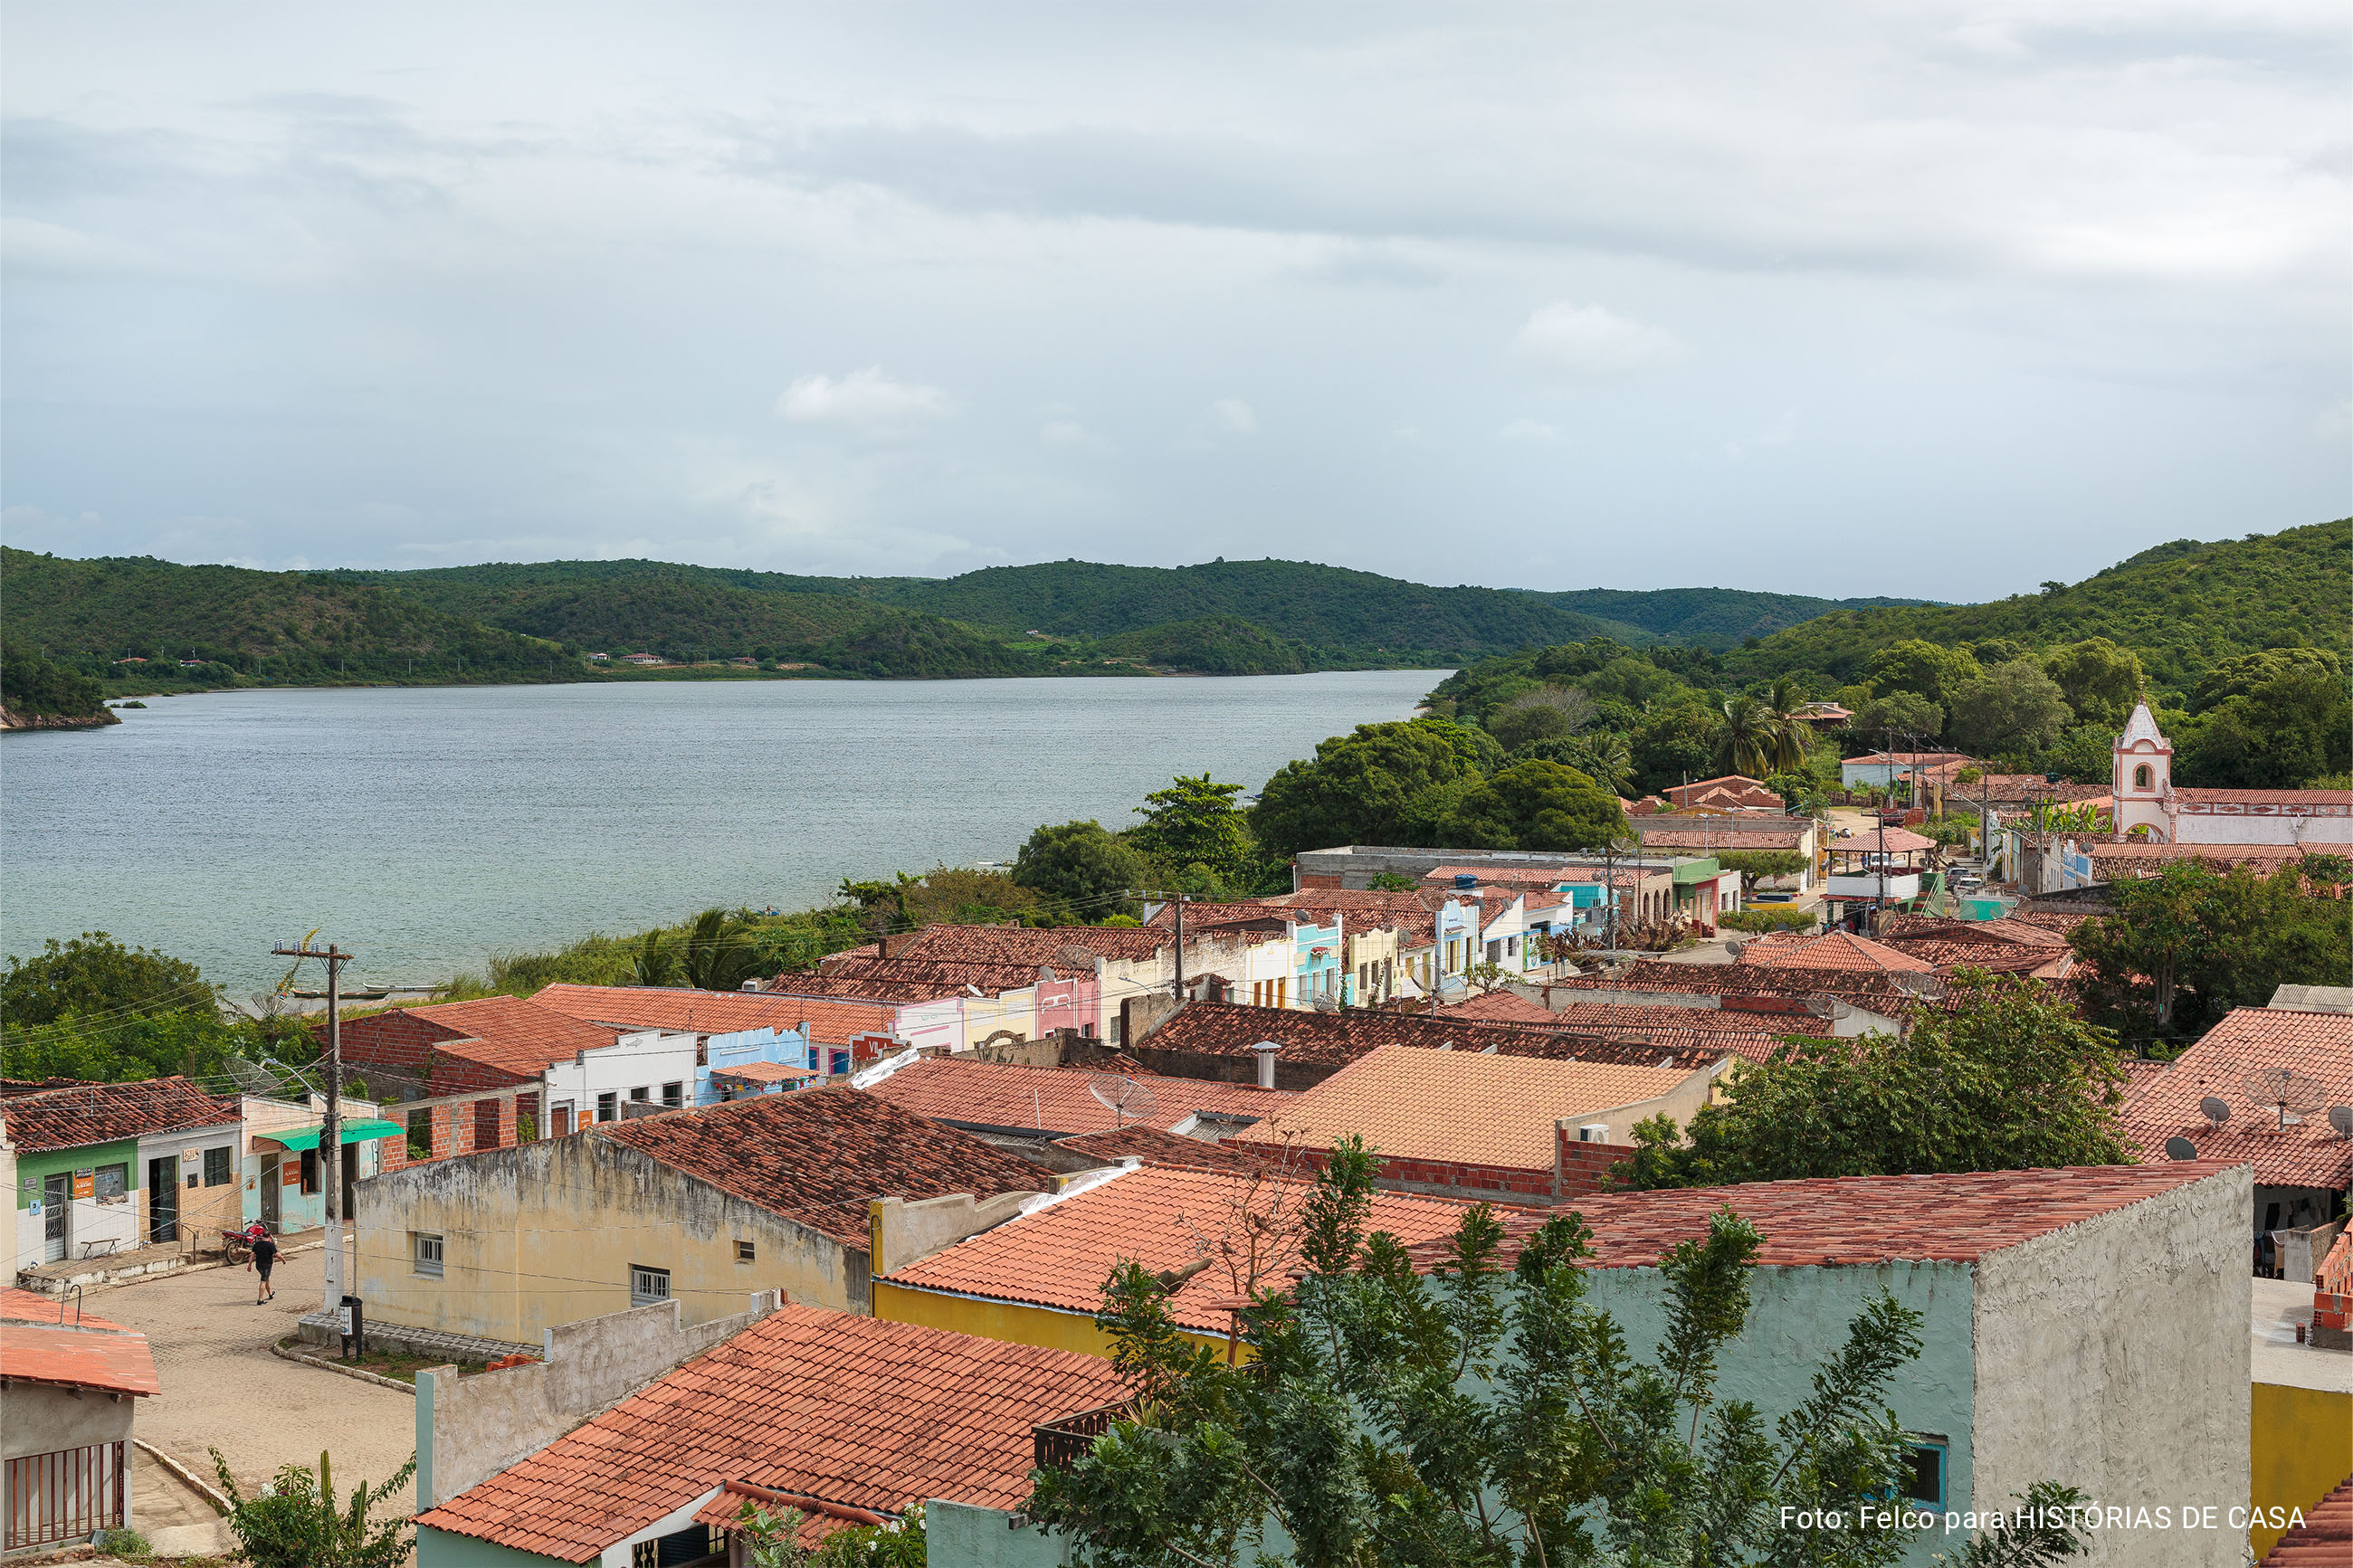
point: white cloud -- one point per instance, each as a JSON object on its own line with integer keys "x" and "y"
{"x": 1234, "y": 416}
{"x": 1594, "y": 340}
{"x": 865, "y": 397}
{"x": 1534, "y": 431}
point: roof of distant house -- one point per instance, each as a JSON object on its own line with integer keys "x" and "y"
{"x": 2194, "y": 796}
{"x": 1906, "y": 759}
{"x": 1948, "y": 957}
{"x": 1686, "y": 834}
{"x": 10, "y": 1088}
{"x": 1060, "y": 1100}
{"x": 1500, "y": 1007}
{"x": 765, "y": 1072}
{"x": 826, "y": 1020}
{"x": 1440, "y": 879}
{"x": 1332, "y": 1039}
{"x": 2015, "y": 929}
{"x": 2318, "y": 1047}
{"x": 849, "y": 1409}
{"x": 2024, "y": 789}
{"x": 80, "y": 1351}
{"x": 2111, "y": 862}
{"x": 1709, "y": 1033}
{"x": 1859, "y": 1220}
{"x": 1458, "y": 1106}
{"x": 890, "y": 980}
{"x": 87, "y": 1113}
{"x": 1831, "y": 950}
{"x": 1873, "y": 992}
{"x": 1155, "y": 1147}
{"x": 819, "y": 1156}
{"x": 668, "y": 1007}
{"x": 509, "y": 1034}
{"x": 1167, "y": 1219}
{"x": 1883, "y": 841}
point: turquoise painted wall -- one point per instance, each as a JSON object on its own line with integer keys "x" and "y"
{"x": 444, "y": 1548}
{"x": 957, "y": 1535}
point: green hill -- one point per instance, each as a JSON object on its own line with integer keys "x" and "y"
{"x": 2183, "y": 607}
{"x": 1717, "y": 619}
{"x": 1214, "y": 644}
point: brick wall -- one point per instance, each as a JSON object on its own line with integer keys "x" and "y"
{"x": 1582, "y": 1165}
{"x": 397, "y": 1040}
{"x": 456, "y": 1127}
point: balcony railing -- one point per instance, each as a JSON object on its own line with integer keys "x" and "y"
{"x": 1058, "y": 1445}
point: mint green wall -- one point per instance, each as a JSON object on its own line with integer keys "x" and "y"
{"x": 1798, "y": 1316}
{"x": 446, "y": 1548}
{"x": 957, "y": 1535}
{"x": 33, "y": 1167}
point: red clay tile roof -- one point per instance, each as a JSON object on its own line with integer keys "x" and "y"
{"x": 509, "y": 1033}
{"x": 1500, "y": 1008}
{"x": 1832, "y": 950}
{"x": 1870, "y": 991}
{"x": 868, "y": 1413}
{"x": 1361, "y": 909}
{"x": 1688, "y": 837}
{"x": 2196, "y": 796}
{"x": 2318, "y": 1046}
{"x": 2112, "y": 861}
{"x": 830, "y": 1021}
{"x": 107, "y": 1112}
{"x": 1951, "y": 957}
{"x": 889, "y": 981}
{"x": 90, "y": 1354}
{"x": 1165, "y": 1219}
{"x": 1155, "y": 1147}
{"x": 32, "y": 1307}
{"x": 1332, "y": 1039}
{"x": 1458, "y": 1106}
{"x": 1957, "y": 1217}
{"x": 2015, "y": 930}
{"x": 668, "y": 1007}
{"x": 765, "y": 1072}
{"x": 818, "y": 1156}
{"x": 2325, "y": 1538}
{"x": 993, "y": 1094}
{"x": 1708, "y": 1033}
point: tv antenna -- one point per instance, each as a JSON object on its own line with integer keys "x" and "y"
{"x": 2283, "y": 1090}
{"x": 2215, "y": 1110}
{"x": 1122, "y": 1096}
{"x": 2181, "y": 1149}
{"x": 2340, "y": 1117}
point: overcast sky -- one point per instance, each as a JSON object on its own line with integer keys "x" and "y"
{"x": 1934, "y": 299}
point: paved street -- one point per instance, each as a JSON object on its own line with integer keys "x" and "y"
{"x": 222, "y": 1388}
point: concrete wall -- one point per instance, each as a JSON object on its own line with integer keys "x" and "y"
{"x": 470, "y": 1429}
{"x": 544, "y": 1234}
{"x": 2113, "y": 1356}
{"x": 42, "y": 1420}
{"x": 1014, "y": 1323}
{"x": 905, "y": 1232}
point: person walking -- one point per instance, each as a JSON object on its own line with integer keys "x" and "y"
{"x": 265, "y": 1259}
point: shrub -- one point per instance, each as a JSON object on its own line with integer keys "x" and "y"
{"x": 1769, "y": 919}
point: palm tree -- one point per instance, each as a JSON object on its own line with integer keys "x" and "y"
{"x": 1792, "y": 733}
{"x": 1604, "y": 757}
{"x": 1746, "y": 744}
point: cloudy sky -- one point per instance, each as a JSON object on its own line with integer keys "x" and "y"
{"x": 1935, "y": 299}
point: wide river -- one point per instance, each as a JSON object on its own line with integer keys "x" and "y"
{"x": 424, "y": 828}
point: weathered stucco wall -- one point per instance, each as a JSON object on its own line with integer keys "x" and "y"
{"x": 2113, "y": 1355}
{"x": 470, "y": 1429}
{"x": 545, "y": 1234}
{"x": 38, "y": 1419}
{"x": 1014, "y": 1323}
{"x": 1799, "y": 1317}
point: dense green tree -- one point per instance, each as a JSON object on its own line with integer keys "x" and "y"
{"x": 1935, "y": 671}
{"x": 2013, "y": 707}
{"x": 2293, "y": 725}
{"x": 1540, "y": 714}
{"x": 1534, "y": 805}
{"x": 1356, "y": 788}
{"x": 1083, "y": 870}
{"x": 1193, "y": 823}
{"x": 2243, "y": 674}
{"x": 96, "y": 976}
{"x": 1896, "y": 716}
{"x": 2010, "y": 1078}
{"x": 1471, "y": 1416}
{"x": 31, "y": 685}
{"x": 1753, "y": 864}
{"x": 2182, "y": 948}
{"x": 1673, "y": 746}
{"x": 1747, "y": 739}
{"x": 1601, "y": 754}
{"x": 297, "y": 1522}
{"x": 2083, "y": 754}
{"x": 2100, "y": 680}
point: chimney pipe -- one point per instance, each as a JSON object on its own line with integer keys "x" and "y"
{"x": 1266, "y": 1050}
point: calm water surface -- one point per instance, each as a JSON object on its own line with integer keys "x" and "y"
{"x": 425, "y": 829}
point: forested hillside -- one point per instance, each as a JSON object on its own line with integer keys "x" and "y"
{"x": 1717, "y": 619}
{"x": 2181, "y": 607}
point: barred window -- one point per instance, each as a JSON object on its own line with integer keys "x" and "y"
{"x": 426, "y": 1251}
{"x": 648, "y": 1286}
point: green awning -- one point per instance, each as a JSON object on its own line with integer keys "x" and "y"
{"x": 350, "y": 1132}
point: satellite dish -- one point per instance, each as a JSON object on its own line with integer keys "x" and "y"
{"x": 2284, "y": 1091}
{"x": 2181, "y": 1149}
{"x": 1123, "y": 1096}
{"x": 2340, "y": 1117}
{"x": 2215, "y": 1110}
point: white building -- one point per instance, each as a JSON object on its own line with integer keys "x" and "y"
{"x": 645, "y": 1067}
{"x": 2147, "y": 799}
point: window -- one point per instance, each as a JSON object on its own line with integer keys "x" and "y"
{"x": 648, "y": 1286}
{"x": 608, "y": 1106}
{"x": 486, "y": 1124}
{"x": 2140, "y": 776}
{"x": 216, "y": 1167}
{"x": 1511, "y": 947}
{"x": 425, "y": 1253}
{"x": 743, "y": 1252}
{"x": 643, "y": 1094}
{"x": 310, "y": 1169}
{"x": 1923, "y": 1474}
{"x": 420, "y": 1134}
{"x": 110, "y": 1181}
{"x": 674, "y": 1095}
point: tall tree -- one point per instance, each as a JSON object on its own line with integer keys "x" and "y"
{"x": 2099, "y": 680}
{"x": 2013, "y": 708}
{"x": 1193, "y": 823}
{"x": 2008, "y": 1078}
{"x": 1746, "y": 742}
{"x": 1085, "y": 871}
{"x": 1354, "y": 789}
{"x": 1533, "y": 806}
{"x": 1934, "y": 672}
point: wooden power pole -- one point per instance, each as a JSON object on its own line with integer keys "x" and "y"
{"x": 331, "y": 1153}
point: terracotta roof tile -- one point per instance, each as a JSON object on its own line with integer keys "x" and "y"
{"x": 92, "y": 1354}
{"x": 820, "y": 1155}
{"x": 32, "y": 1307}
{"x": 826, "y": 1020}
{"x": 1164, "y": 1218}
{"x": 1334, "y": 1039}
{"x": 2309, "y": 1153}
{"x": 2197, "y": 796}
{"x": 106, "y": 1112}
{"x": 872, "y": 1415}
{"x": 508, "y": 1033}
{"x": 1832, "y": 950}
{"x": 1872, "y": 991}
{"x": 1686, "y": 837}
{"x": 1500, "y": 1008}
{"x": 2112, "y": 862}
{"x": 2325, "y": 1538}
{"x": 1956, "y": 1217}
{"x": 991, "y": 1094}
{"x": 1458, "y": 1106}
{"x": 1155, "y": 1147}
{"x": 668, "y": 1007}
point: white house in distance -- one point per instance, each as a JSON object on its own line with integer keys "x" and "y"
{"x": 2147, "y": 799}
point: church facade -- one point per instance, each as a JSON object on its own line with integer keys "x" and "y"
{"x": 2147, "y": 799}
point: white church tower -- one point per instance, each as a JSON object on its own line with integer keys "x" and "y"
{"x": 2143, "y": 777}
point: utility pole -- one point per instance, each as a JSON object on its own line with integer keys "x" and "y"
{"x": 1179, "y": 991}
{"x": 330, "y": 1155}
